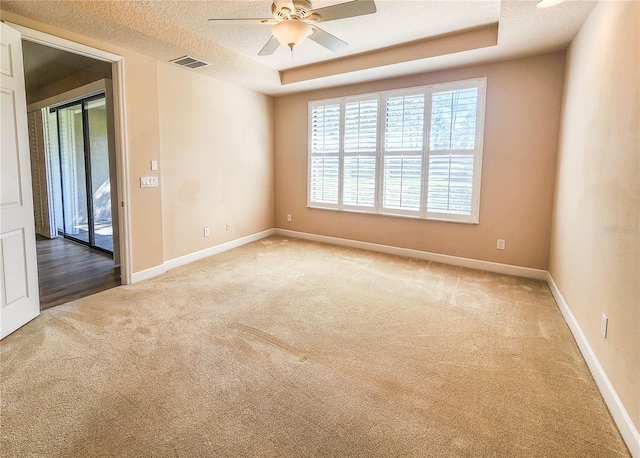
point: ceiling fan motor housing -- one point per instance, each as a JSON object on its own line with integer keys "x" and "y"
{"x": 283, "y": 13}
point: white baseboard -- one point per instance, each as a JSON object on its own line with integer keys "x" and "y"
{"x": 191, "y": 257}
{"x": 618, "y": 412}
{"x": 507, "y": 269}
{"x": 148, "y": 273}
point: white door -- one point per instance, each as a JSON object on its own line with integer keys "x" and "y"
{"x": 18, "y": 263}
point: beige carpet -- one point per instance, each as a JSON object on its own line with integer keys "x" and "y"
{"x": 290, "y": 348}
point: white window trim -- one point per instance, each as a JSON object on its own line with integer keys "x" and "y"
{"x": 428, "y": 90}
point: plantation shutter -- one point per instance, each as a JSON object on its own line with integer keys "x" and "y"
{"x": 404, "y": 123}
{"x": 324, "y": 161}
{"x": 360, "y": 144}
{"x": 452, "y": 151}
{"x": 413, "y": 152}
{"x": 450, "y": 184}
{"x": 402, "y": 165}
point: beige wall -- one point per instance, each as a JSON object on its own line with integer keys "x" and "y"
{"x": 521, "y": 134}
{"x": 216, "y": 149}
{"x": 597, "y": 269}
{"x": 143, "y": 146}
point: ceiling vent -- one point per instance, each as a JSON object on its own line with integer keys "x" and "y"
{"x": 189, "y": 62}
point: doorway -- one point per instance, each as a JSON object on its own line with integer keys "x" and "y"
{"x": 76, "y": 200}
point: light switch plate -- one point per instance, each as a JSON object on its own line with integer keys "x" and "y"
{"x": 148, "y": 182}
{"x": 154, "y": 165}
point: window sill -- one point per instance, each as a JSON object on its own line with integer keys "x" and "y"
{"x": 393, "y": 215}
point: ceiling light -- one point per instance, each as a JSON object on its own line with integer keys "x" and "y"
{"x": 548, "y": 3}
{"x": 292, "y": 32}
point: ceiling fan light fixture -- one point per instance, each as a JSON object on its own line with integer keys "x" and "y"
{"x": 548, "y": 3}
{"x": 291, "y": 33}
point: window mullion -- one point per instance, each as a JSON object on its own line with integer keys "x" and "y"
{"x": 382, "y": 120}
{"x": 426, "y": 145}
{"x": 341, "y": 155}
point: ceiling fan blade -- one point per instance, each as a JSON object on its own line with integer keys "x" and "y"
{"x": 327, "y": 40}
{"x": 270, "y": 47}
{"x": 244, "y": 21}
{"x": 344, "y": 10}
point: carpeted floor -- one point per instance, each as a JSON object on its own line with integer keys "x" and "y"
{"x": 289, "y": 348}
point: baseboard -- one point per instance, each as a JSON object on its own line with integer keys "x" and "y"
{"x": 618, "y": 412}
{"x": 191, "y": 257}
{"x": 507, "y": 269}
{"x": 148, "y": 273}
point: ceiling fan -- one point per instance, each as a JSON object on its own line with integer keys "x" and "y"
{"x": 293, "y": 21}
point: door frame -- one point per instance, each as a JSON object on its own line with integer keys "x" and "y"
{"x": 122, "y": 163}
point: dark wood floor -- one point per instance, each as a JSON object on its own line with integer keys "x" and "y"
{"x": 68, "y": 271}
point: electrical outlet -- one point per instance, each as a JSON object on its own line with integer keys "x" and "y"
{"x": 228, "y": 227}
{"x": 289, "y": 217}
{"x": 501, "y": 244}
{"x": 206, "y": 232}
{"x": 604, "y": 323}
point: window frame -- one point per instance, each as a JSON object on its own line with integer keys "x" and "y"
{"x": 312, "y": 154}
{"x": 425, "y": 152}
{"x": 400, "y": 153}
{"x": 367, "y": 153}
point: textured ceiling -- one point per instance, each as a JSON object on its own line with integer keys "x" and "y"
{"x": 169, "y": 29}
{"x": 395, "y": 22}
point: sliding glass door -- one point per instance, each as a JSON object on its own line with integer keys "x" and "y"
{"x": 100, "y": 185}
{"x": 84, "y": 172}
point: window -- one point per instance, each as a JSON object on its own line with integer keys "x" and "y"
{"x": 325, "y": 148}
{"x": 415, "y": 152}
{"x": 360, "y": 141}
